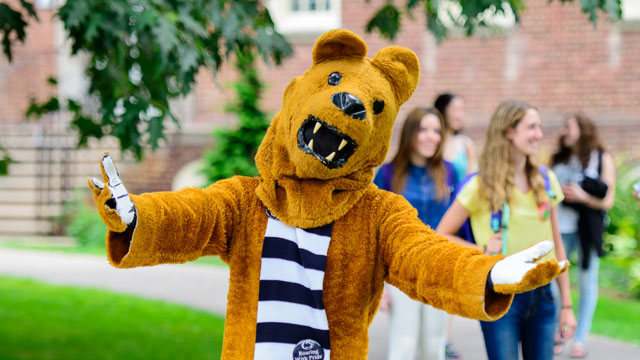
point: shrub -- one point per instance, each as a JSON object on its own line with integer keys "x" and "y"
{"x": 624, "y": 226}
{"x": 625, "y": 214}
{"x": 83, "y": 222}
{"x": 235, "y": 149}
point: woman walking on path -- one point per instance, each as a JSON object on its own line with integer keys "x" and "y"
{"x": 511, "y": 204}
{"x": 459, "y": 148}
{"x": 581, "y": 154}
{"x": 419, "y": 173}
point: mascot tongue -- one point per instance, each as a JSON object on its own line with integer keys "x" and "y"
{"x": 317, "y": 158}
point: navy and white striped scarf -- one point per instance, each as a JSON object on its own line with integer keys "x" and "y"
{"x": 290, "y": 307}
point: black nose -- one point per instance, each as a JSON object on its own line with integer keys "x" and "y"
{"x": 350, "y": 105}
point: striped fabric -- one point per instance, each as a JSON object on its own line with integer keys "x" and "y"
{"x": 290, "y": 307}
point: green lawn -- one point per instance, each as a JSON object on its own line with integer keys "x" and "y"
{"x": 617, "y": 319}
{"x": 617, "y": 313}
{"x": 39, "y": 321}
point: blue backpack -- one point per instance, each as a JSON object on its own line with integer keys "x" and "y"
{"x": 500, "y": 218}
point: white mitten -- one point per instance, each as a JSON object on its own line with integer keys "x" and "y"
{"x": 113, "y": 202}
{"x": 520, "y": 272}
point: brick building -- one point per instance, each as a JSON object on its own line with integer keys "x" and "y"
{"x": 554, "y": 59}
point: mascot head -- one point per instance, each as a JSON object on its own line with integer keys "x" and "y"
{"x": 336, "y": 121}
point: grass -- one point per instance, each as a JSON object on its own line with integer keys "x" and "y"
{"x": 617, "y": 314}
{"x": 40, "y": 321}
{"x": 617, "y": 319}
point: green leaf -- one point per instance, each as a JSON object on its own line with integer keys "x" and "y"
{"x": 12, "y": 25}
{"x": 37, "y": 110}
{"x": 590, "y": 7}
{"x": 165, "y": 33}
{"x": 30, "y": 9}
{"x": 76, "y": 12}
{"x": 614, "y": 9}
{"x": 156, "y": 128}
{"x": 386, "y": 21}
{"x": 5, "y": 161}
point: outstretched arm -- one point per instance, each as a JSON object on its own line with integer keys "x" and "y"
{"x": 163, "y": 227}
{"x": 455, "y": 278}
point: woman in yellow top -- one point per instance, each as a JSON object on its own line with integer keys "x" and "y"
{"x": 510, "y": 209}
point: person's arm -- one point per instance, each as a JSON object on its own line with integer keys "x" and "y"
{"x": 574, "y": 193}
{"x": 166, "y": 227}
{"x": 429, "y": 268}
{"x": 460, "y": 280}
{"x": 451, "y": 222}
{"x": 567, "y": 320}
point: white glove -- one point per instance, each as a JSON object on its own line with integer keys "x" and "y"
{"x": 520, "y": 272}
{"x": 117, "y": 197}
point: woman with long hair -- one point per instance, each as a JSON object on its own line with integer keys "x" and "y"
{"x": 426, "y": 180}
{"x": 581, "y": 154}
{"x": 459, "y": 149}
{"x": 511, "y": 204}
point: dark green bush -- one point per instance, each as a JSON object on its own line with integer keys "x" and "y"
{"x": 83, "y": 222}
{"x": 234, "y": 149}
{"x": 623, "y": 232}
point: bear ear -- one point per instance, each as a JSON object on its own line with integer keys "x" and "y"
{"x": 401, "y": 67}
{"x": 337, "y": 44}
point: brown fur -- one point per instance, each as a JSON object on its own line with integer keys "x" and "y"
{"x": 391, "y": 244}
{"x": 376, "y": 236}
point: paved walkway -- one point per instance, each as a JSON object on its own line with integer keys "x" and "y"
{"x": 205, "y": 287}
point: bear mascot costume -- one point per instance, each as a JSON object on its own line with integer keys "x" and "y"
{"x": 311, "y": 241}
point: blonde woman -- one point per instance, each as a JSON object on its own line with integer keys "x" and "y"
{"x": 420, "y": 174}
{"x": 512, "y": 205}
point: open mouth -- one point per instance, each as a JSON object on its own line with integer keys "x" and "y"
{"x": 325, "y": 142}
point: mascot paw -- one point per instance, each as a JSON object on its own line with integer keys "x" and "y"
{"x": 520, "y": 272}
{"x": 113, "y": 201}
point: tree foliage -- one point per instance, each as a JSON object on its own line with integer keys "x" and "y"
{"x": 235, "y": 148}
{"x": 13, "y": 23}
{"x": 144, "y": 53}
{"x": 468, "y": 14}
{"x": 5, "y": 161}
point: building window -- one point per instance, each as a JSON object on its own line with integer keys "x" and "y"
{"x": 46, "y": 4}
{"x": 630, "y": 10}
{"x": 305, "y": 17}
{"x": 310, "y": 5}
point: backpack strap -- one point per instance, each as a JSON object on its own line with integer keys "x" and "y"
{"x": 547, "y": 183}
{"x": 464, "y": 182}
{"x": 599, "y": 162}
{"x": 465, "y": 230}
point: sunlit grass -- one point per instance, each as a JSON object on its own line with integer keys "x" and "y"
{"x": 39, "y": 321}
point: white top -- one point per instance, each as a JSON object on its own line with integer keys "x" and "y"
{"x": 568, "y": 173}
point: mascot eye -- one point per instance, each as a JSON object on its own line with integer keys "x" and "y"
{"x": 378, "y": 106}
{"x": 334, "y": 78}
